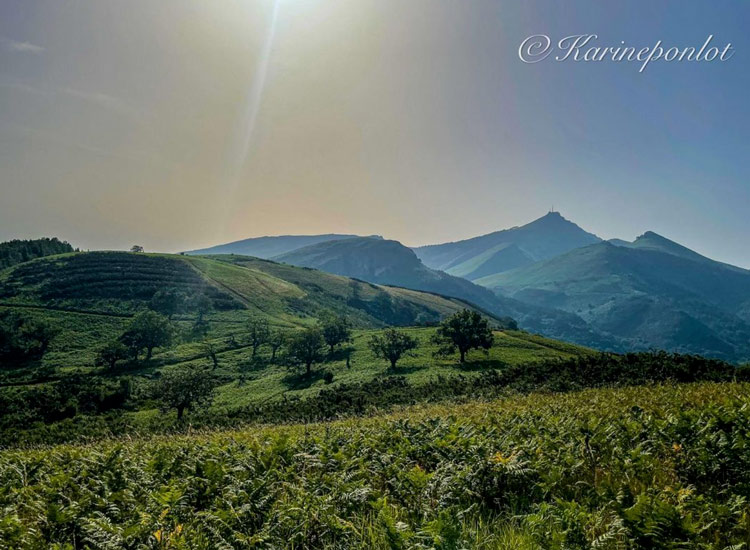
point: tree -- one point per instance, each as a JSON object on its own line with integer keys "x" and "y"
{"x": 463, "y": 331}
{"x": 392, "y": 345}
{"x": 259, "y": 333}
{"x": 211, "y": 351}
{"x": 184, "y": 389}
{"x": 335, "y": 331}
{"x": 199, "y": 329}
{"x": 203, "y": 305}
{"x": 23, "y": 338}
{"x": 36, "y": 335}
{"x": 307, "y": 347}
{"x": 136, "y": 248}
{"x": 147, "y": 330}
{"x": 276, "y": 341}
{"x": 168, "y": 302}
{"x": 109, "y": 354}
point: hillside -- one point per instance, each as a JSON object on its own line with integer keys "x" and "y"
{"x": 122, "y": 283}
{"x": 649, "y": 293}
{"x": 268, "y": 247}
{"x": 389, "y": 262}
{"x": 508, "y": 249}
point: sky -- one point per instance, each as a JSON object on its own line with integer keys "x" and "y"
{"x": 180, "y": 124}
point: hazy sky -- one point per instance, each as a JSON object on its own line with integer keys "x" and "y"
{"x": 179, "y": 124}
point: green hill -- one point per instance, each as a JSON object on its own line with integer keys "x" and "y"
{"x": 122, "y": 283}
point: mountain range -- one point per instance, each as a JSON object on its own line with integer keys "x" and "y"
{"x": 554, "y": 278}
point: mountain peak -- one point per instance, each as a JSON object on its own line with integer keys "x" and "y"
{"x": 651, "y": 235}
{"x": 540, "y": 239}
{"x": 551, "y": 218}
{"x": 556, "y": 221}
{"x": 553, "y": 214}
{"x": 650, "y": 238}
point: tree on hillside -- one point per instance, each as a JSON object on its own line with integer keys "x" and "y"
{"x": 24, "y": 338}
{"x": 276, "y": 341}
{"x": 463, "y": 331}
{"x": 335, "y": 330}
{"x": 307, "y": 347}
{"x": 184, "y": 389}
{"x": 211, "y": 351}
{"x": 136, "y": 248}
{"x": 148, "y": 330}
{"x": 37, "y": 335}
{"x": 110, "y": 353}
{"x": 258, "y": 333}
{"x": 168, "y": 302}
{"x": 392, "y": 344}
{"x": 203, "y": 305}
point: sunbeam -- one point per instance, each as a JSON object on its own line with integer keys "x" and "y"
{"x": 240, "y": 148}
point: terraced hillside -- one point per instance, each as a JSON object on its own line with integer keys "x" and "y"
{"x": 121, "y": 283}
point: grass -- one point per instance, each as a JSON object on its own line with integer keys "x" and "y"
{"x": 273, "y": 381}
{"x": 646, "y": 467}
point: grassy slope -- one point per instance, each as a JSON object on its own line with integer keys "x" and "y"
{"x": 289, "y": 297}
{"x": 645, "y": 467}
{"x": 511, "y": 348}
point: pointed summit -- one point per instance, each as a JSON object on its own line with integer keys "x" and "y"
{"x": 551, "y": 217}
{"x": 496, "y": 252}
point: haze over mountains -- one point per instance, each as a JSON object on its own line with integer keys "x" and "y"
{"x": 555, "y": 278}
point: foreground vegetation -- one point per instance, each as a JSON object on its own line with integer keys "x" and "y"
{"x": 643, "y": 467}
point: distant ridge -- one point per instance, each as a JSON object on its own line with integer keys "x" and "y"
{"x": 268, "y": 247}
